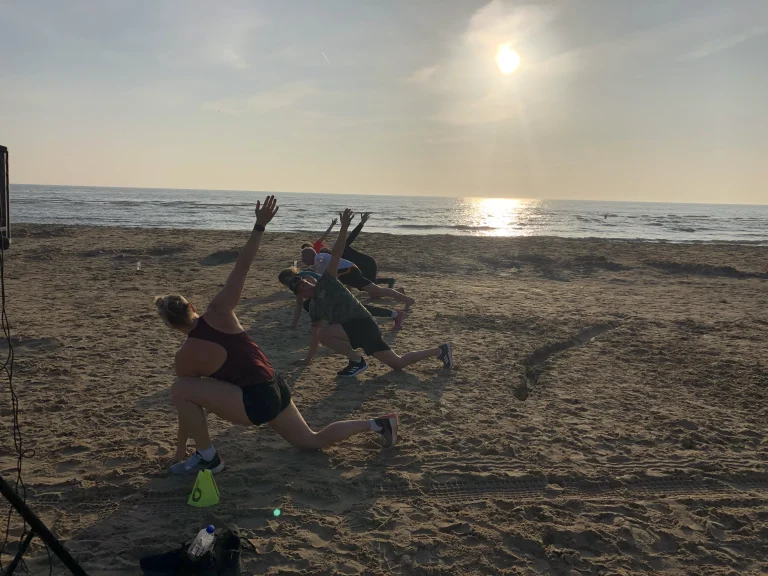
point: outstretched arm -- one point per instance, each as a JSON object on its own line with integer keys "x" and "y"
{"x": 314, "y": 341}
{"x": 225, "y": 301}
{"x": 326, "y": 233}
{"x": 297, "y": 312}
{"x": 358, "y": 228}
{"x": 338, "y": 248}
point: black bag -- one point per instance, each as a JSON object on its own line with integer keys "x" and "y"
{"x": 224, "y": 560}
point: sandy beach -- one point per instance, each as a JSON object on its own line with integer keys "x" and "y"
{"x": 607, "y": 414}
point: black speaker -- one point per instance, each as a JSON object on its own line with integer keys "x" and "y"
{"x": 5, "y": 200}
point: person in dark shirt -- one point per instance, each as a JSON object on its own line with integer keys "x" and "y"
{"x": 221, "y": 370}
{"x": 285, "y": 276}
{"x": 350, "y": 325}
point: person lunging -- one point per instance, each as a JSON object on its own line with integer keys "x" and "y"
{"x": 365, "y": 262}
{"x": 285, "y": 276}
{"x": 350, "y": 326}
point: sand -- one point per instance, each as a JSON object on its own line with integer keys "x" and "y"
{"x": 607, "y": 415}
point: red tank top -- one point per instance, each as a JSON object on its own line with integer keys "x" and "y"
{"x": 245, "y": 363}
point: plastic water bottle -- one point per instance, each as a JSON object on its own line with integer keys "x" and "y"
{"x": 203, "y": 543}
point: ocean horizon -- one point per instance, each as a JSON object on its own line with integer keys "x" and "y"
{"x": 474, "y": 216}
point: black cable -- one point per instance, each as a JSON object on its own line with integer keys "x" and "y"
{"x": 7, "y": 368}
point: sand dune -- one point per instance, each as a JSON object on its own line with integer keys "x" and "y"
{"x": 608, "y": 413}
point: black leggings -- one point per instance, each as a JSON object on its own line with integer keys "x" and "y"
{"x": 367, "y": 264}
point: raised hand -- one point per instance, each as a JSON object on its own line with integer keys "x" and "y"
{"x": 364, "y": 217}
{"x": 267, "y": 211}
{"x": 346, "y": 217}
{"x": 334, "y": 222}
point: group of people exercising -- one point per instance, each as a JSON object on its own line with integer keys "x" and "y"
{"x": 220, "y": 369}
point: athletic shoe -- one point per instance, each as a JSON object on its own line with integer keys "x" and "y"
{"x": 399, "y": 319}
{"x": 388, "y": 425}
{"x": 196, "y": 463}
{"x": 391, "y": 282}
{"x": 446, "y": 355}
{"x": 353, "y": 369}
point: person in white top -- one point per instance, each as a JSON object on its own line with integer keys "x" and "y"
{"x": 322, "y": 260}
{"x": 350, "y": 275}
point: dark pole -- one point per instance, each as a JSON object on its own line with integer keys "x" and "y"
{"x": 40, "y": 529}
{"x": 20, "y": 553}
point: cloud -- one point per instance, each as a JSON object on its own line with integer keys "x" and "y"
{"x": 204, "y": 33}
{"x": 421, "y": 76}
{"x": 279, "y": 98}
{"x": 725, "y": 43}
{"x": 467, "y": 82}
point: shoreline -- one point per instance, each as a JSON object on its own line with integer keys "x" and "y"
{"x": 748, "y": 243}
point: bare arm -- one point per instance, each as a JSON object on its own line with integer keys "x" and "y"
{"x": 297, "y": 312}
{"x": 314, "y": 341}
{"x": 327, "y": 232}
{"x": 225, "y": 301}
{"x": 363, "y": 219}
{"x": 338, "y": 248}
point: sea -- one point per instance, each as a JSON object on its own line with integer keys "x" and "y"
{"x": 232, "y": 210}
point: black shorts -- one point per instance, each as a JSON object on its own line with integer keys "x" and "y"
{"x": 353, "y": 278}
{"x": 263, "y": 402}
{"x": 364, "y": 333}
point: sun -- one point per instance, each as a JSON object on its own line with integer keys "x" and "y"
{"x": 507, "y": 59}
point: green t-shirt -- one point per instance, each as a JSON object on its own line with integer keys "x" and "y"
{"x": 334, "y": 303}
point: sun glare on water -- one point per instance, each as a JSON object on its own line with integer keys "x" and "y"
{"x": 507, "y": 59}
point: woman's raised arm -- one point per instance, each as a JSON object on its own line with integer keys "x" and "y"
{"x": 338, "y": 248}
{"x": 225, "y": 301}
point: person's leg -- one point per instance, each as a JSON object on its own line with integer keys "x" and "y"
{"x": 381, "y": 292}
{"x": 291, "y": 426}
{"x": 390, "y": 282}
{"x": 191, "y": 395}
{"x": 380, "y": 312}
{"x": 334, "y": 337}
{"x": 391, "y": 359}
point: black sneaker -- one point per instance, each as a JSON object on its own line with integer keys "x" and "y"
{"x": 388, "y": 425}
{"x": 196, "y": 463}
{"x": 391, "y": 282}
{"x": 353, "y": 368}
{"x": 446, "y": 356}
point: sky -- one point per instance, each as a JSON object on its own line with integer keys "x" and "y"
{"x": 613, "y": 99}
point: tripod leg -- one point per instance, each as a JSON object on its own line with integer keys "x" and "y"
{"x": 40, "y": 529}
{"x": 20, "y": 553}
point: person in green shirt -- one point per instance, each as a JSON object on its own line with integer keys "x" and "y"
{"x": 349, "y": 325}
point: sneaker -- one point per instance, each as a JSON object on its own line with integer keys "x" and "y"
{"x": 388, "y": 425}
{"x": 391, "y": 282}
{"x": 353, "y": 368}
{"x": 196, "y": 463}
{"x": 446, "y": 355}
{"x": 399, "y": 319}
